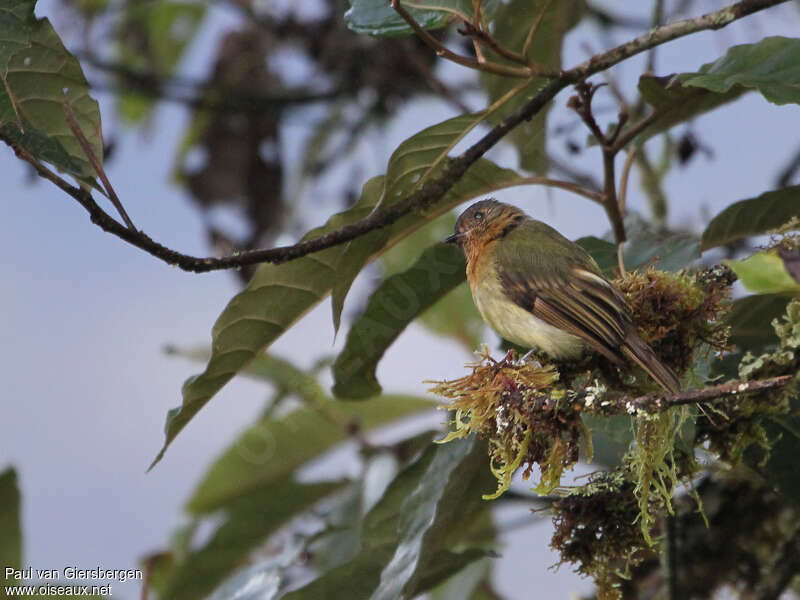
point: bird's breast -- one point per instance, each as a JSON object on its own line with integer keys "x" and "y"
{"x": 516, "y": 324}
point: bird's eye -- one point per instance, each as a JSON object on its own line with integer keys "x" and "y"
{"x": 478, "y": 216}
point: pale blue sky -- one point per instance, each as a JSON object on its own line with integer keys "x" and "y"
{"x": 84, "y": 318}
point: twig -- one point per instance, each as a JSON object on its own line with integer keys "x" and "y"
{"x": 436, "y": 187}
{"x": 621, "y": 260}
{"x": 444, "y": 52}
{"x": 654, "y": 403}
{"x": 623, "y": 180}
{"x": 526, "y": 47}
{"x": 96, "y": 165}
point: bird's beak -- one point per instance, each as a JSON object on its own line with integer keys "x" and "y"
{"x": 452, "y": 239}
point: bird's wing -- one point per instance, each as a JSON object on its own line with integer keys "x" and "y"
{"x": 563, "y": 287}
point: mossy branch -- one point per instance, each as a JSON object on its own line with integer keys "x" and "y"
{"x": 656, "y": 403}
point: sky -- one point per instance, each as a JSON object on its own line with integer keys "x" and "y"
{"x": 84, "y": 318}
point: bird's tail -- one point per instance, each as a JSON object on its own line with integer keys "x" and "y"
{"x": 639, "y": 352}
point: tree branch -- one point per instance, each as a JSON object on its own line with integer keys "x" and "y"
{"x": 434, "y": 188}
{"x": 654, "y": 403}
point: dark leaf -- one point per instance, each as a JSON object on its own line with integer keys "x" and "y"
{"x": 753, "y": 216}
{"x": 39, "y": 76}
{"x": 397, "y": 302}
{"x": 377, "y": 17}
{"x": 771, "y": 66}
{"x": 751, "y": 320}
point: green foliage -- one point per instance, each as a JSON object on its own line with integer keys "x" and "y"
{"x": 754, "y": 216}
{"x": 410, "y": 165}
{"x": 409, "y": 538}
{"x": 247, "y": 522}
{"x": 751, "y": 317}
{"x": 153, "y": 39}
{"x": 771, "y": 66}
{"x": 39, "y": 78}
{"x": 10, "y": 525}
{"x": 677, "y": 102}
{"x": 268, "y": 451}
{"x": 378, "y": 18}
{"x": 278, "y": 295}
{"x": 765, "y": 273}
{"x": 396, "y": 302}
{"x": 643, "y": 248}
{"x": 513, "y": 22}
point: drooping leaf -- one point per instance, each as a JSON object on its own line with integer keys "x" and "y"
{"x": 513, "y": 22}
{"x": 403, "y": 541}
{"x": 414, "y": 160}
{"x": 378, "y": 18}
{"x": 453, "y": 315}
{"x": 278, "y": 295}
{"x": 764, "y": 273}
{"x": 39, "y": 77}
{"x": 247, "y": 523}
{"x": 771, "y": 66}
{"x": 10, "y": 527}
{"x": 751, "y": 320}
{"x": 398, "y": 301}
{"x": 753, "y": 216}
{"x": 677, "y": 102}
{"x": 153, "y": 37}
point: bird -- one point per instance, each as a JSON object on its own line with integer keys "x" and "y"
{"x": 542, "y": 291}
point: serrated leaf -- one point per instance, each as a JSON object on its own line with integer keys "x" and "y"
{"x": 278, "y": 295}
{"x": 396, "y": 302}
{"x": 764, "y": 273}
{"x": 410, "y": 165}
{"x": 771, "y": 66}
{"x": 271, "y": 450}
{"x": 677, "y": 102}
{"x": 751, "y": 318}
{"x": 753, "y": 216}
{"x": 513, "y": 21}
{"x": 39, "y": 76}
{"x": 378, "y": 18}
{"x": 247, "y": 523}
{"x": 10, "y": 527}
{"x": 404, "y": 534}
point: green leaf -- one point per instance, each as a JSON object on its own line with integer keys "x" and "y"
{"x": 781, "y": 468}
{"x": 247, "y": 523}
{"x": 405, "y": 534}
{"x": 771, "y": 66}
{"x": 409, "y": 167}
{"x": 153, "y": 39}
{"x": 671, "y": 253}
{"x": 753, "y": 216}
{"x": 396, "y": 302}
{"x": 644, "y": 248}
{"x": 751, "y": 321}
{"x": 378, "y": 18}
{"x": 39, "y": 77}
{"x": 677, "y": 102}
{"x": 278, "y": 295}
{"x": 271, "y": 450}
{"x": 611, "y": 437}
{"x": 513, "y": 21}
{"x": 764, "y": 273}
{"x": 10, "y": 527}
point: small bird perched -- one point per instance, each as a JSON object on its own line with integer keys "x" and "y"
{"x": 540, "y": 290}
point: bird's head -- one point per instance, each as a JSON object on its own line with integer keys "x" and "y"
{"x": 484, "y": 222}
